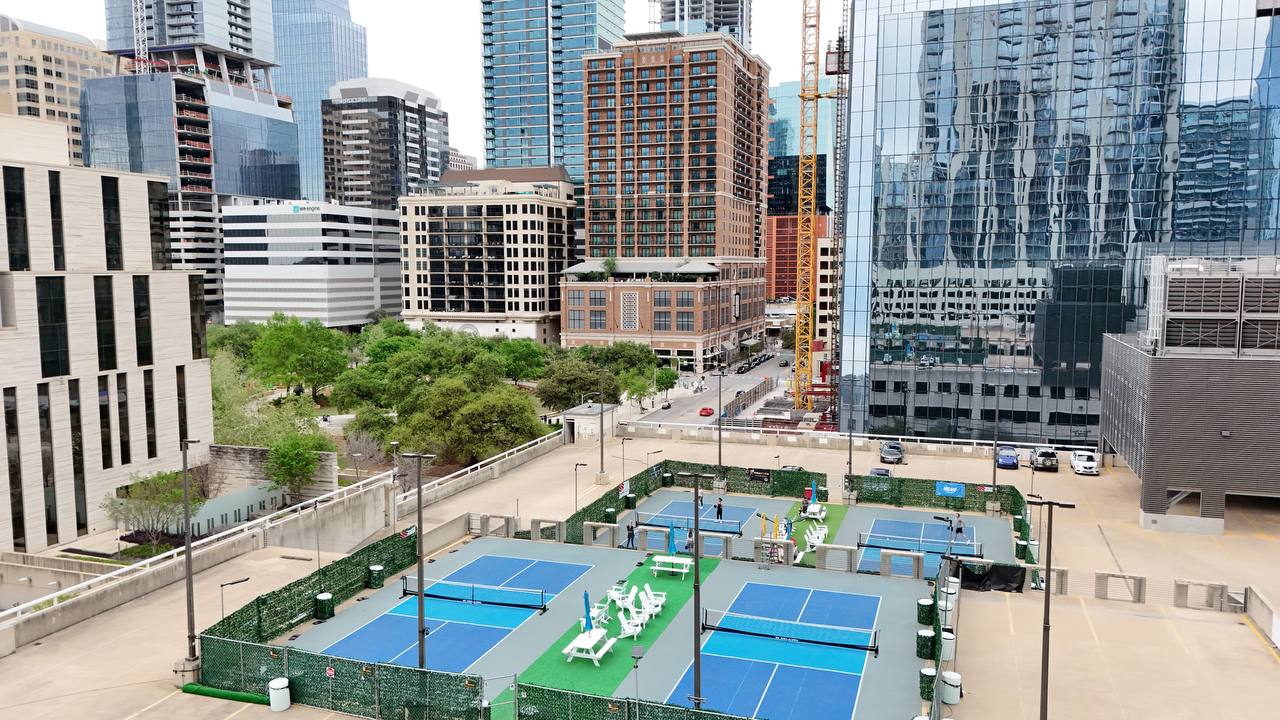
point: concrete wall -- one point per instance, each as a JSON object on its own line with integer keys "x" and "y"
{"x": 797, "y": 439}
{"x": 345, "y": 523}
{"x": 234, "y": 467}
{"x": 485, "y": 471}
{"x": 23, "y": 583}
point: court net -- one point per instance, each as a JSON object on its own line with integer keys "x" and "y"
{"x": 474, "y": 593}
{"x": 685, "y": 521}
{"x": 830, "y": 635}
{"x": 957, "y": 546}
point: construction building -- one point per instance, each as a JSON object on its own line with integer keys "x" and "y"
{"x": 675, "y": 197}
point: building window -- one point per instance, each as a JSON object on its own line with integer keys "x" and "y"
{"x": 684, "y": 321}
{"x": 111, "y": 228}
{"x": 922, "y": 388}
{"x": 575, "y": 319}
{"x": 597, "y": 298}
{"x": 944, "y": 387}
{"x": 122, "y": 416}
{"x": 104, "y": 419}
{"x": 142, "y": 318}
{"x": 988, "y": 390}
{"x": 575, "y": 297}
{"x": 149, "y": 409}
{"x": 662, "y": 320}
{"x": 195, "y": 298}
{"x": 1082, "y": 393}
{"x": 77, "y": 458}
{"x": 182, "y": 403}
{"x": 684, "y": 298}
{"x": 964, "y": 388}
{"x": 597, "y": 320}
{"x": 14, "y": 451}
{"x": 879, "y": 386}
{"x": 662, "y": 298}
{"x": 105, "y": 312}
{"x": 51, "y": 313}
{"x": 1057, "y": 392}
{"x": 45, "y": 419}
{"x": 15, "y": 218}
{"x": 158, "y": 210}
{"x": 1011, "y": 391}
{"x": 55, "y": 220}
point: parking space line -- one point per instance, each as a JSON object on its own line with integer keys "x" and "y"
{"x": 154, "y": 704}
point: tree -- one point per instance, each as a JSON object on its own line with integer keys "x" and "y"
{"x": 380, "y": 350}
{"x": 637, "y": 385}
{"x": 565, "y": 382}
{"x": 522, "y": 359}
{"x": 362, "y": 385}
{"x": 150, "y": 504}
{"x": 484, "y": 371}
{"x": 666, "y": 379}
{"x": 238, "y": 338}
{"x": 289, "y": 351}
{"x": 291, "y": 462}
{"x": 426, "y": 418}
{"x": 610, "y": 265}
{"x": 495, "y": 421}
{"x": 789, "y": 339}
{"x": 620, "y": 356}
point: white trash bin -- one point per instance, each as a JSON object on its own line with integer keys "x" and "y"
{"x": 953, "y": 586}
{"x": 945, "y": 611}
{"x": 951, "y": 688}
{"x": 948, "y": 646}
{"x": 278, "y": 693}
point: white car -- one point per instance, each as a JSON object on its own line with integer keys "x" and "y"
{"x": 1084, "y": 462}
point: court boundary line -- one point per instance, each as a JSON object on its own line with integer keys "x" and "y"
{"x": 791, "y": 665}
{"x": 703, "y": 642}
{"x": 772, "y": 675}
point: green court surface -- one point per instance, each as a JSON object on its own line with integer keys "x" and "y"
{"x": 835, "y": 516}
{"x": 551, "y": 670}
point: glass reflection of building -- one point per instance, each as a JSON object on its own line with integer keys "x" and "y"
{"x": 1018, "y": 161}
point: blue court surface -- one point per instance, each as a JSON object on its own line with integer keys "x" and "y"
{"x": 930, "y": 538}
{"x": 459, "y": 632}
{"x": 790, "y": 677}
{"x": 678, "y": 515}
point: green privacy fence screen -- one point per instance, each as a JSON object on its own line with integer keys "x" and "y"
{"x": 545, "y": 702}
{"x": 918, "y": 492}
{"x": 784, "y": 483}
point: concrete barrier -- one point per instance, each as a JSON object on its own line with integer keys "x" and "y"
{"x": 406, "y": 502}
{"x": 1259, "y": 609}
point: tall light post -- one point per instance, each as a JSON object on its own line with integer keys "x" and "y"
{"x": 575, "y": 484}
{"x": 648, "y": 455}
{"x": 1048, "y": 594}
{"x": 222, "y": 599}
{"x": 422, "y": 619}
{"x": 395, "y": 465}
{"x": 186, "y": 524}
{"x": 584, "y": 402}
{"x": 623, "y": 442}
{"x": 696, "y": 697}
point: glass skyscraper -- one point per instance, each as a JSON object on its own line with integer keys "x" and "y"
{"x": 317, "y": 45}
{"x": 533, "y": 78}
{"x": 1010, "y": 165}
{"x": 784, "y": 143}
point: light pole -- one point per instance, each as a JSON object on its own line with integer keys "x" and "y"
{"x": 623, "y": 442}
{"x": 637, "y": 652}
{"x": 395, "y": 465}
{"x": 575, "y": 484}
{"x": 720, "y": 422}
{"x": 1048, "y": 594}
{"x": 779, "y": 459}
{"x": 696, "y": 697}
{"x": 583, "y": 402}
{"x": 186, "y": 524}
{"x": 222, "y": 600}
{"x": 648, "y": 455}
{"x": 422, "y": 621}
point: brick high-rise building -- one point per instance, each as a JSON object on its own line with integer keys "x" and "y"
{"x": 675, "y": 180}
{"x": 780, "y": 253}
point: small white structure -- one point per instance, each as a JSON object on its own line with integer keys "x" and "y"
{"x": 582, "y": 423}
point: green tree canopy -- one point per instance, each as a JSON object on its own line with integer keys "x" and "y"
{"x": 150, "y": 504}
{"x": 292, "y": 461}
{"x": 522, "y": 359}
{"x": 666, "y": 379}
{"x": 494, "y": 422}
{"x": 361, "y": 385}
{"x": 379, "y": 351}
{"x": 565, "y": 382}
{"x": 289, "y": 351}
{"x": 620, "y": 356}
{"x": 238, "y": 338}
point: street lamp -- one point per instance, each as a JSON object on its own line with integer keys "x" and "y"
{"x": 222, "y": 600}
{"x": 1048, "y": 594}
{"x": 575, "y": 484}
{"x": 583, "y": 402}
{"x": 637, "y": 652}
{"x": 696, "y": 697}
{"x": 422, "y": 621}
{"x": 186, "y": 524}
{"x": 624, "y": 442}
{"x": 648, "y": 455}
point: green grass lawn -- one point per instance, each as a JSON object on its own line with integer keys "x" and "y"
{"x": 551, "y": 670}
{"x": 835, "y": 516}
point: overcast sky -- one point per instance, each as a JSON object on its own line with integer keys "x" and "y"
{"x": 435, "y": 44}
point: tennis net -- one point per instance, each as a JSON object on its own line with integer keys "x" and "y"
{"x": 830, "y": 635}
{"x": 473, "y": 593}
{"x": 686, "y": 521}
{"x": 958, "y": 546}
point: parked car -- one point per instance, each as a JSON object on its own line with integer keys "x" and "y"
{"x": 1084, "y": 462}
{"x": 1045, "y": 459}
{"x": 783, "y": 363}
{"x": 891, "y": 452}
{"x": 666, "y": 404}
{"x": 707, "y": 412}
{"x": 792, "y": 468}
{"x": 880, "y": 472}
{"x": 1006, "y": 458}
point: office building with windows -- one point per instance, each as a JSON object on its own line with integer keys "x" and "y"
{"x": 675, "y": 199}
{"x": 317, "y": 45}
{"x": 533, "y": 77}
{"x": 692, "y": 17}
{"x": 41, "y": 69}
{"x": 382, "y": 139}
{"x": 1011, "y": 165}
{"x": 460, "y": 161}
{"x": 331, "y": 263}
{"x": 104, "y": 347}
{"x": 243, "y": 28}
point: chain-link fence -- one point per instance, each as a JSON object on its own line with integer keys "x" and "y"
{"x": 545, "y": 702}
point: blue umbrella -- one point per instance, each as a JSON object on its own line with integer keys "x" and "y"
{"x": 586, "y": 605}
{"x": 671, "y": 541}
{"x": 813, "y": 489}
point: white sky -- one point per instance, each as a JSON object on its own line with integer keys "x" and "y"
{"x": 435, "y": 44}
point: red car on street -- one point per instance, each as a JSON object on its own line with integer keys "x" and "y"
{"x": 706, "y": 412}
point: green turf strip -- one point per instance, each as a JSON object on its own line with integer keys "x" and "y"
{"x": 580, "y": 675}
{"x": 835, "y": 516}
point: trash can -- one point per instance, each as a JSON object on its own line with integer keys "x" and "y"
{"x": 924, "y": 611}
{"x": 927, "y": 677}
{"x": 1020, "y": 549}
{"x": 924, "y": 644}
{"x": 611, "y": 515}
{"x": 808, "y": 495}
{"x": 324, "y": 606}
{"x": 1033, "y": 551}
{"x": 668, "y": 479}
{"x": 631, "y": 501}
{"x": 377, "y": 576}
{"x": 278, "y": 694}
{"x": 948, "y": 646}
{"x": 951, "y": 688}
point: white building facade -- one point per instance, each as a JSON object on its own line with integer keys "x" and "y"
{"x": 318, "y": 261}
{"x": 103, "y": 347}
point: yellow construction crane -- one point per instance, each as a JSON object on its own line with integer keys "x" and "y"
{"x": 807, "y": 207}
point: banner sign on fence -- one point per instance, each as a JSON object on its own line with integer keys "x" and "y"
{"x": 949, "y": 489}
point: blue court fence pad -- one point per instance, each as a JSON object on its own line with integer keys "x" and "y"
{"x": 783, "y": 679}
{"x": 930, "y": 538}
{"x": 678, "y": 515}
{"x": 458, "y": 632}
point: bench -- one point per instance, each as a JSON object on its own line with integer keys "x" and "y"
{"x": 591, "y": 645}
{"x": 816, "y": 511}
{"x": 672, "y": 564}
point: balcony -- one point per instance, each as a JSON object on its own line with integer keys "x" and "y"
{"x": 193, "y": 144}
